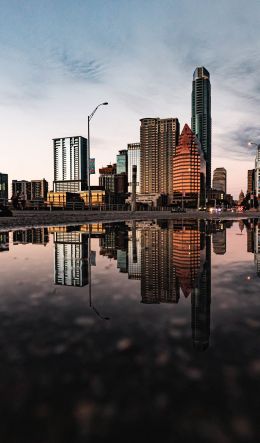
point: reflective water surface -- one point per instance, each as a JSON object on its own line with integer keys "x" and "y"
{"x": 130, "y": 331}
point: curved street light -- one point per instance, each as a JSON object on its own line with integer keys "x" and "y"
{"x": 89, "y": 118}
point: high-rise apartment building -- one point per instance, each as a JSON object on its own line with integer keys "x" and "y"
{"x": 70, "y": 164}
{"x": 220, "y": 180}
{"x": 158, "y": 141}
{"x": 251, "y": 181}
{"x": 189, "y": 169}
{"x": 39, "y": 189}
{"x": 3, "y": 188}
{"x": 201, "y": 115}
{"x": 133, "y": 150}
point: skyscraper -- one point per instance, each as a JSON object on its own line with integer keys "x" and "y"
{"x": 251, "y": 181}
{"x": 220, "y": 180}
{"x": 70, "y": 164}
{"x": 158, "y": 141}
{"x": 121, "y": 162}
{"x": 133, "y": 159}
{"x": 257, "y": 172}
{"x": 201, "y": 115}
{"x": 189, "y": 169}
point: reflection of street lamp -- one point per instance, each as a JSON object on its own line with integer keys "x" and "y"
{"x": 89, "y": 118}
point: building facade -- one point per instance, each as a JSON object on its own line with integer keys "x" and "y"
{"x": 70, "y": 164}
{"x": 22, "y": 188}
{"x": 201, "y": 115}
{"x": 189, "y": 170}
{"x": 107, "y": 177}
{"x": 220, "y": 180}
{"x": 39, "y": 189}
{"x": 158, "y": 141}
{"x": 3, "y": 188}
{"x": 133, "y": 151}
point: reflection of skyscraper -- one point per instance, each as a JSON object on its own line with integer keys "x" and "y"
{"x": 158, "y": 277}
{"x": 186, "y": 255}
{"x": 219, "y": 241}
{"x": 71, "y": 258}
{"x": 257, "y": 249}
{"x": 113, "y": 244}
{"x": 200, "y": 302}
{"x": 36, "y": 236}
{"x": 134, "y": 253}
{"x": 4, "y": 241}
{"x": 250, "y": 238}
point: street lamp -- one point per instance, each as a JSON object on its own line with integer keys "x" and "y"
{"x": 89, "y": 118}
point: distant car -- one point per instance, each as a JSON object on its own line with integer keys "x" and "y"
{"x": 5, "y": 212}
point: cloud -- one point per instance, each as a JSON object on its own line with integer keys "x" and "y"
{"x": 81, "y": 68}
{"x": 237, "y": 142}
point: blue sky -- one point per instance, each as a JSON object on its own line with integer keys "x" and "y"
{"x": 59, "y": 59}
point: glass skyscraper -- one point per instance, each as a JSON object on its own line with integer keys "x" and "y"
{"x": 133, "y": 150}
{"x": 201, "y": 115}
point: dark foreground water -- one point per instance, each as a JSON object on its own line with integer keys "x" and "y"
{"x": 130, "y": 332}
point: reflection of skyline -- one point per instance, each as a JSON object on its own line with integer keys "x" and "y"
{"x": 171, "y": 259}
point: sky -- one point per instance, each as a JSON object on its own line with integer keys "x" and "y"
{"x": 60, "y": 58}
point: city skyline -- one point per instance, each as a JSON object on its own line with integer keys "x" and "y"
{"x": 53, "y": 78}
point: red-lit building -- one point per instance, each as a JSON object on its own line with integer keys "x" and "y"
{"x": 189, "y": 170}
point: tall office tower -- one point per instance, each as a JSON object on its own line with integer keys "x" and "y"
{"x": 251, "y": 181}
{"x": 201, "y": 115}
{"x": 158, "y": 276}
{"x": 186, "y": 255}
{"x": 121, "y": 162}
{"x": 220, "y": 180}
{"x": 71, "y": 258}
{"x": 201, "y": 300}
{"x": 189, "y": 168}
{"x": 158, "y": 141}
{"x": 257, "y": 172}
{"x": 3, "y": 188}
{"x": 70, "y": 164}
{"x": 22, "y": 187}
{"x": 133, "y": 150}
{"x": 39, "y": 189}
